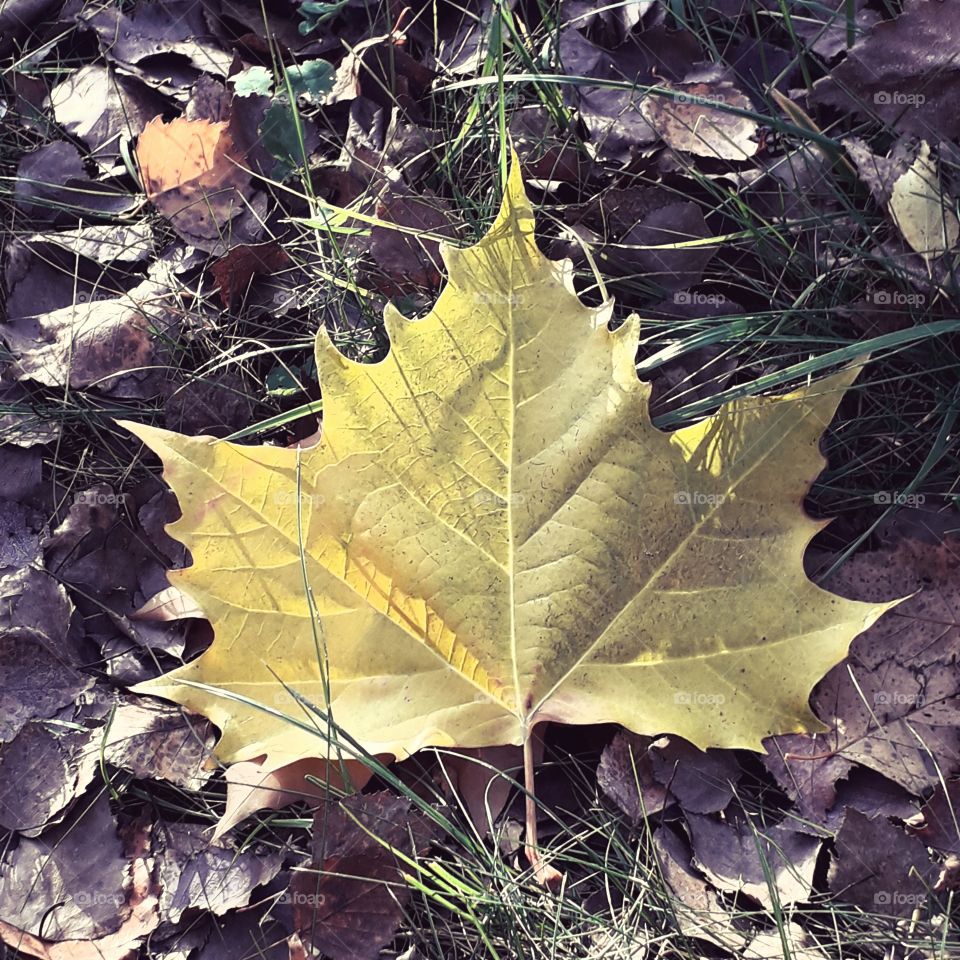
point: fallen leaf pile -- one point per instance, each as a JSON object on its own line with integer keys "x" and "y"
{"x": 501, "y": 540}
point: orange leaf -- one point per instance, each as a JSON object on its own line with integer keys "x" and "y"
{"x": 193, "y": 174}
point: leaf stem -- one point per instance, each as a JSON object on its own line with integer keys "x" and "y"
{"x": 545, "y": 875}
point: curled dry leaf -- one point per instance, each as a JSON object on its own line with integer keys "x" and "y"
{"x": 616, "y": 126}
{"x": 169, "y": 604}
{"x": 50, "y": 762}
{"x": 119, "y": 945}
{"x": 251, "y": 787}
{"x": 114, "y": 558}
{"x": 702, "y": 781}
{"x": 664, "y": 247}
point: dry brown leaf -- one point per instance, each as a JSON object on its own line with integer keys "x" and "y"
{"x": 241, "y": 264}
{"x": 42, "y": 771}
{"x": 348, "y": 901}
{"x": 103, "y": 109}
{"x": 35, "y": 681}
{"x": 143, "y": 918}
{"x": 921, "y": 210}
{"x": 690, "y": 125}
{"x": 155, "y": 740}
{"x": 169, "y": 604}
{"x": 878, "y": 867}
{"x": 251, "y": 788}
{"x": 904, "y": 71}
{"x": 895, "y": 701}
{"x": 625, "y": 775}
{"x": 768, "y": 863}
{"x": 194, "y": 174}
{"x": 94, "y": 343}
{"x": 197, "y": 873}
{"x": 698, "y": 908}
{"x": 406, "y": 261}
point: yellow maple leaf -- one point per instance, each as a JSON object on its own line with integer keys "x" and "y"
{"x": 494, "y": 534}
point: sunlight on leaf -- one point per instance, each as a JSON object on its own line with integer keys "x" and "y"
{"x": 494, "y": 535}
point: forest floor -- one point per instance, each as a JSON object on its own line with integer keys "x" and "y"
{"x": 771, "y": 186}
